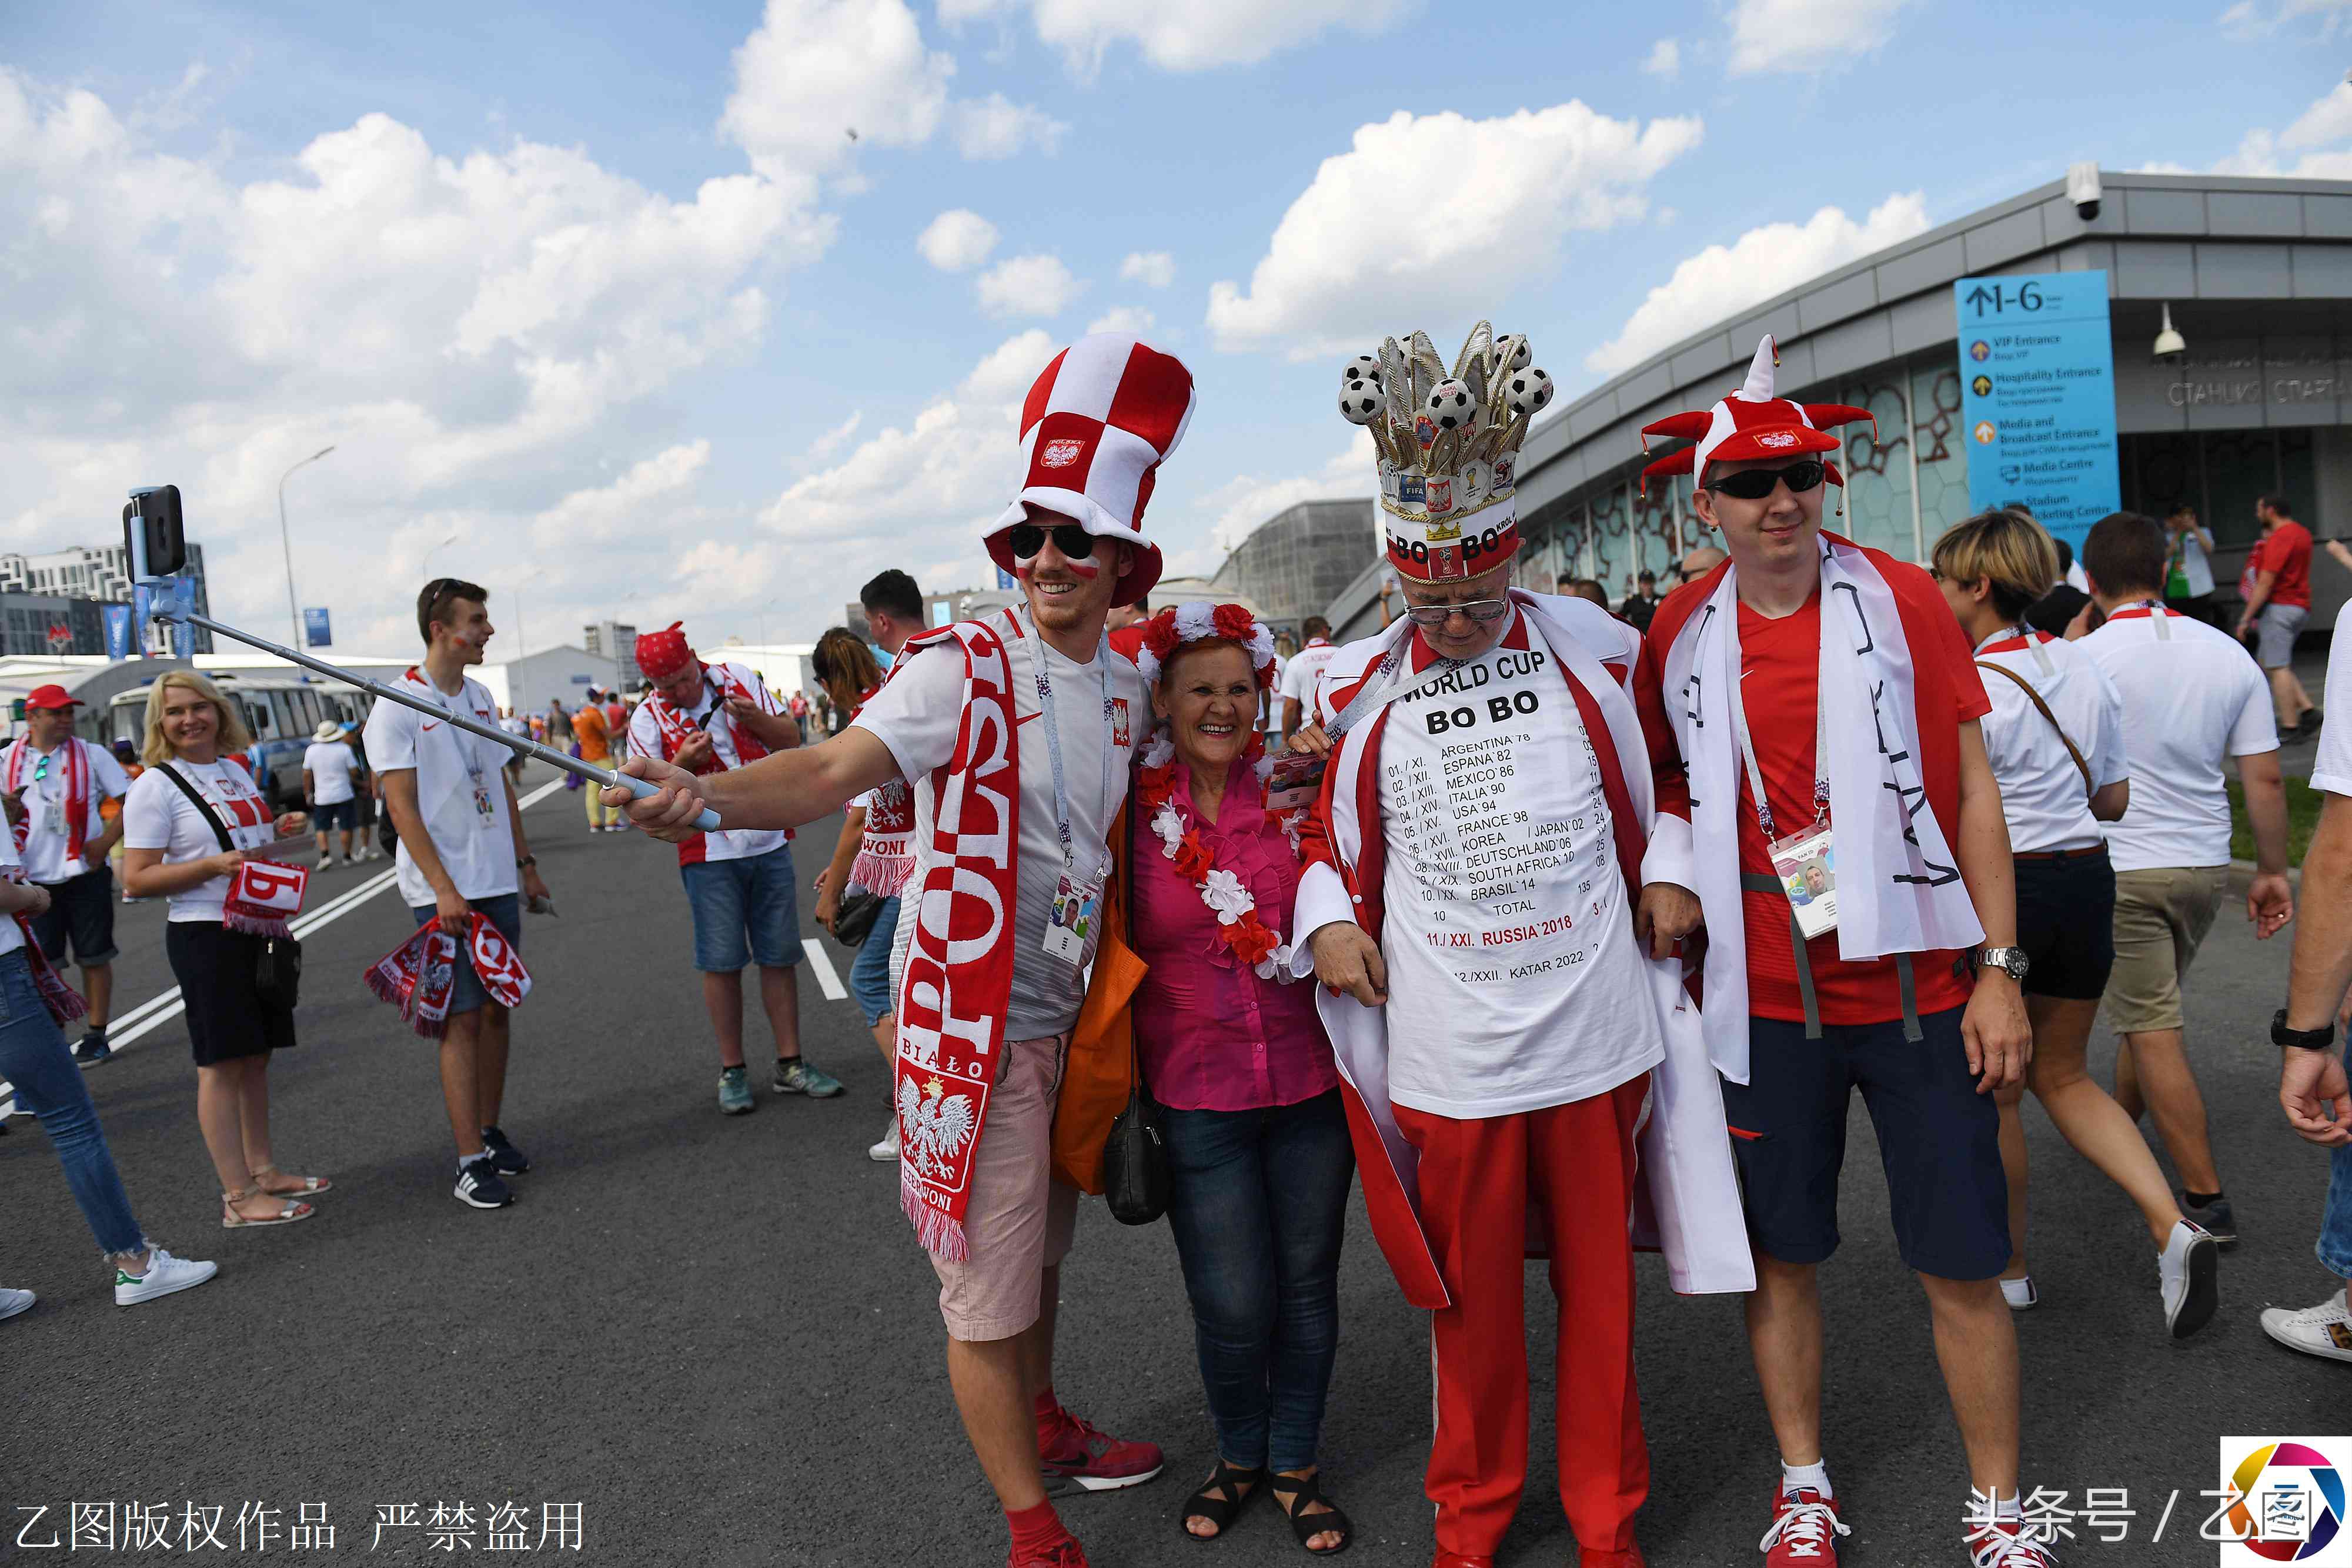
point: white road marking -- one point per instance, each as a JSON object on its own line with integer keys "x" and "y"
{"x": 157, "y": 1011}
{"x": 827, "y": 981}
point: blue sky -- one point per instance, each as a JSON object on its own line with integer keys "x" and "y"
{"x": 614, "y": 298}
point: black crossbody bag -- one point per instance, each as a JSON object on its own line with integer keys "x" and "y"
{"x": 277, "y": 967}
{"x": 1134, "y": 1155}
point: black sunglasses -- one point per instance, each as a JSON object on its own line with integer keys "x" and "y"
{"x": 1027, "y": 539}
{"x": 1755, "y": 484}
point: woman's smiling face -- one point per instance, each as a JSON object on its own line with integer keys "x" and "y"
{"x": 1208, "y": 697}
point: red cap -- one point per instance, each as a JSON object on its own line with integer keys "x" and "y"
{"x": 661, "y": 654}
{"x": 51, "y": 696}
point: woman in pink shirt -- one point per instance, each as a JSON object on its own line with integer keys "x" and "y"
{"x": 1232, "y": 1052}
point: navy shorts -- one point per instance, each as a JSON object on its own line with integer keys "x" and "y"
{"x": 2066, "y": 925}
{"x": 80, "y": 912}
{"x": 1937, "y": 1137}
{"x": 746, "y": 911}
{"x": 506, "y": 913}
{"x": 329, "y": 815}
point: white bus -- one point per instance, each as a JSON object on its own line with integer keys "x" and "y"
{"x": 282, "y": 711}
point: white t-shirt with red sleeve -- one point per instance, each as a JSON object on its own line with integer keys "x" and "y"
{"x": 158, "y": 815}
{"x": 1514, "y": 979}
{"x": 658, "y": 730}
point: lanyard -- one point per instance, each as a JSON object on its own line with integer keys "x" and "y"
{"x": 456, "y": 736}
{"x": 1035, "y": 640}
{"x": 2024, "y": 635}
{"x": 1756, "y": 774}
{"x": 1388, "y": 682}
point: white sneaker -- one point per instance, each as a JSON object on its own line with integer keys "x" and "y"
{"x": 164, "y": 1275}
{"x": 14, "y": 1301}
{"x": 888, "y": 1149}
{"x": 2323, "y": 1330}
{"x": 2021, "y": 1294}
{"x": 2188, "y": 1276}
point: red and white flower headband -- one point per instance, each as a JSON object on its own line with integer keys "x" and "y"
{"x": 1201, "y": 621}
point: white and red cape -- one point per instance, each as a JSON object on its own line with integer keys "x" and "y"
{"x": 1687, "y": 1202}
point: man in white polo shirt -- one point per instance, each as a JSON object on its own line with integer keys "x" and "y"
{"x": 461, "y": 847}
{"x": 55, "y": 788}
{"x": 2191, "y": 698}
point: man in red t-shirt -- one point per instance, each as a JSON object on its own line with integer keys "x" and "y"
{"x": 2277, "y": 605}
{"x": 1840, "y": 908}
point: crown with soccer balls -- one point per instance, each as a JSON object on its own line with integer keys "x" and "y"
{"x": 1447, "y": 444}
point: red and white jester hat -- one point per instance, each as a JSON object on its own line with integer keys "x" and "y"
{"x": 661, "y": 654}
{"x": 1097, "y": 423}
{"x": 1447, "y": 444}
{"x": 1751, "y": 425}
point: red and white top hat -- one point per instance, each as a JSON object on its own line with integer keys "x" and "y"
{"x": 1751, "y": 425}
{"x": 1447, "y": 444}
{"x": 1097, "y": 423}
{"x": 661, "y": 654}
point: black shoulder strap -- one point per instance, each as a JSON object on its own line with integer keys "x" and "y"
{"x": 220, "y": 829}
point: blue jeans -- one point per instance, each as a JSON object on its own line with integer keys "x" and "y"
{"x": 33, "y": 1057}
{"x": 745, "y": 911}
{"x": 869, "y": 977}
{"x": 2335, "y": 1224}
{"x": 1258, "y": 1201}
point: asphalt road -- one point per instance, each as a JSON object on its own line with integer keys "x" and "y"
{"x": 716, "y": 1336}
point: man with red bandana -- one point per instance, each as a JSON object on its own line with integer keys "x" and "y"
{"x": 1499, "y": 872}
{"x": 706, "y": 719}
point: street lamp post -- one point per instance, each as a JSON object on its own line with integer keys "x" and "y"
{"x": 436, "y": 549}
{"x": 286, "y": 543}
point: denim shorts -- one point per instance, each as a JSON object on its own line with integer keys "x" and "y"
{"x": 506, "y": 913}
{"x": 745, "y": 911}
{"x": 2335, "y": 1221}
{"x": 869, "y": 977}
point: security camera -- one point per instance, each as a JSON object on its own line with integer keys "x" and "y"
{"x": 2083, "y": 189}
{"x": 2172, "y": 348}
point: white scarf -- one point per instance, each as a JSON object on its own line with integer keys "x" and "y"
{"x": 1899, "y": 887}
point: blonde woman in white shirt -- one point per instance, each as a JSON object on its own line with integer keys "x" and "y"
{"x": 2054, "y": 738}
{"x": 171, "y": 850}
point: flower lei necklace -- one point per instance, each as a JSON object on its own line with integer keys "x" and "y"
{"x": 1252, "y": 941}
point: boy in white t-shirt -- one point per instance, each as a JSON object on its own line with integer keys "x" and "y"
{"x": 461, "y": 849}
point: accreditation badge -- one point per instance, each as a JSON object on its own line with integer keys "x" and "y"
{"x": 1077, "y": 915}
{"x": 1806, "y": 866}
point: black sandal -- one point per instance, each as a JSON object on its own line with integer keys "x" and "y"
{"x": 1306, "y": 1489}
{"x": 1221, "y": 1511}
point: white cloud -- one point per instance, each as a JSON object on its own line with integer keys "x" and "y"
{"x": 814, "y": 70}
{"x": 1128, "y": 320}
{"x": 1242, "y": 504}
{"x": 1197, "y": 34}
{"x": 956, "y": 239}
{"x": 2248, "y": 22}
{"x": 2327, "y": 121}
{"x": 1665, "y": 60}
{"x": 1722, "y": 280}
{"x": 833, "y": 440}
{"x": 600, "y": 513}
{"x": 1035, "y": 285}
{"x": 924, "y": 495}
{"x": 2316, "y": 133}
{"x": 1152, "y": 268}
{"x": 1807, "y": 36}
{"x": 471, "y": 332}
{"x": 996, "y": 127}
{"x": 1495, "y": 197}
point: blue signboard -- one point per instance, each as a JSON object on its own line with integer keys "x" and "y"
{"x": 316, "y": 631}
{"x": 118, "y": 631}
{"x": 2038, "y": 397}
{"x": 1005, "y": 579}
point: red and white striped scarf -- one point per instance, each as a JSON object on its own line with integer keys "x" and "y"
{"x": 677, "y": 729}
{"x": 960, "y": 956}
{"x": 886, "y": 855}
{"x": 420, "y": 976}
{"x": 76, "y": 771}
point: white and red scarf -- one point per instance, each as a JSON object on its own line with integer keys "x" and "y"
{"x": 65, "y": 1003}
{"x": 421, "y": 975}
{"x": 886, "y": 855}
{"x": 959, "y": 955}
{"x": 1899, "y": 887}
{"x": 726, "y": 683}
{"x": 77, "y": 772}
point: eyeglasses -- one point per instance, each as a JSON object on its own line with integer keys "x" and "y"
{"x": 1433, "y": 616}
{"x": 1755, "y": 484}
{"x": 1027, "y": 539}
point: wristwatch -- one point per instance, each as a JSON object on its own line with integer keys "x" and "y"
{"x": 526, "y": 860}
{"x": 2010, "y": 961}
{"x": 2301, "y": 1038}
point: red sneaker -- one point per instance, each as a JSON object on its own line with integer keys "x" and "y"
{"x": 1629, "y": 1558}
{"x": 1063, "y": 1553}
{"x": 1077, "y": 1456}
{"x": 1805, "y": 1528}
{"x": 2005, "y": 1544}
{"x": 1458, "y": 1560}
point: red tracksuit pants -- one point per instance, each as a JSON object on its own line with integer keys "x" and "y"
{"x": 1575, "y": 1162}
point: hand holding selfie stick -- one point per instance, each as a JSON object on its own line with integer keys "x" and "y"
{"x": 153, "y": 530}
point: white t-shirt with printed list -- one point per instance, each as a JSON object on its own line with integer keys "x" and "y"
{"x": 916, "y": 714}
{"x": 2041, "y": 791}
{"x": 2192, "y": 697}
{"x": 1515, "y": 981}
{"x": 329, "y": 763}
{"x": 158, "y": 815}
{"x": 46, "y": 841}
{"x": 460, "y": 788}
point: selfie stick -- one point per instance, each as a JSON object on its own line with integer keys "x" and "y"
{"x": 707, "y": 822}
